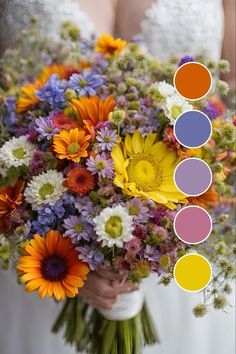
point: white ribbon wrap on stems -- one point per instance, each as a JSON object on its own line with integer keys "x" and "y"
{"x": 127, "y": 306}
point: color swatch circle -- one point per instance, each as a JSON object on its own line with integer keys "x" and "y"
{"x": 192, "y": 272}
{"x": 193, "y": 224}
{"x": 193, "y": 129}
{"x": 193, "y": 80}
{"x": 192, "y": 176}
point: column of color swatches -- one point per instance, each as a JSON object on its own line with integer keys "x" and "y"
{"x": 192, "y": 177}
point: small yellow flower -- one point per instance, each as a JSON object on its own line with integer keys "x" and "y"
{"x": 109, "y": 46}
{"x": 145, "y": 169}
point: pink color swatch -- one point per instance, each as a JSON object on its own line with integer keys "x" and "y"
{"x": 192, "y": 224}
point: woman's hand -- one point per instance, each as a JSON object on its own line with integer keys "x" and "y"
{"x": 102, "y": 288}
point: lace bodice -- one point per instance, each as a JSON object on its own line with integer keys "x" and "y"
{"x": 16, "y": 15}
{"x": 184, "y": 27}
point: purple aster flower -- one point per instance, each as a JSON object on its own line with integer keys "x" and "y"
{"x": 92, "y": 257}
{"x": 151, "y": 254}
{"x": 211, "y": 110}
{"x": 90, "y": 212}
{"x": 82, "y": 203}
{"x": 53, "y": 93}
{"x": 101, "y": 165}
{"x": 9, "y": 107}
{"x": 49, "y": 217}
{"x": 106, "y": 139}
{"x": 145, "y": 130}
{"x": 158, "y": 214}
{"x": 77, "y": 228}
{"x": 186, "y": 59}
{"x": 86, "y": 83}
{"x": 138, "y": 210}
{"x": 45, "y": 127}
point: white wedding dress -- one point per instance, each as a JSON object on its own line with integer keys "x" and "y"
{"x": 170, "y": 27}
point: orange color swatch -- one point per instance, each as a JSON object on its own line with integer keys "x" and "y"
{"x": 193, "y": 80}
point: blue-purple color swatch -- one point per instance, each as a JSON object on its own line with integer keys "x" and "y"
{"x": 193, "y": 129}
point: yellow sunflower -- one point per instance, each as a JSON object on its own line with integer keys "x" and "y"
{"x": 145, "y": 169}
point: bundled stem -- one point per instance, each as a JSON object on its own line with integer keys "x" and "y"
{"x": 91, "y": 333}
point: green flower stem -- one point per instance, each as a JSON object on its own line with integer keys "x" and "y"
{"x": 91, "y": 333}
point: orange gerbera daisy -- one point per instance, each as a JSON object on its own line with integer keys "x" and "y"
{"x": 29, "y": 100}
{"x": 10, "y": 198}
{"x": 71, "y": 145}
{"x": 93, "y": 110}
{"x": 62, "y": 121}
{"x": 80, "y": 181}
{"x": 109, "y": 46}
{"x": 209, "y": 198}
{"x": 52, "y": 267}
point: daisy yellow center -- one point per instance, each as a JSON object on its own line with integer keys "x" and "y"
{"x": 19, "y": 153}
{"x": 113, "y": 226}
{"x": 78, "y": 228}
{"x": 83, "y": 83}
{"x": 176, "y": 111}
{"x": 106, "y": 139}
{"x": 73, "y": 148}
{"x": 45, "y": 190}
{"x": 133, "y": 210}
{"x": 100, "y": 165}
{"x": 144, "y": 171}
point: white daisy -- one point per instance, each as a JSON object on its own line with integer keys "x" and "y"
{"x": 45, "y": 188}
{"x": 3, "y": 169}
{"x": 17, "y": 152}
{"x": 165, "y": 89}
{"x": 114, "y": 226}
{"x": 174, "y": 106}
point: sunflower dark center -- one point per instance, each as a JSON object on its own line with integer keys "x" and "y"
{"x": 54, "y": 268}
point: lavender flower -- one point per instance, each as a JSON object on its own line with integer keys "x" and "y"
{"x": 185, "y": 59}
{"x": 77, "y": 228}
{"x": 211, "y": 110}
{"x": 101, "y": 165}
{"x": 138, "y": 210}
{"x": 53, "y": 93}
{"x": 92, "y": 257}
{"x": 106, "y": 139}
{"x": 151, "y": 254}
{"x": 49, "y": 217}
{"x": 86, "y": 83}
{"x": 9, "y": 116}
{"x": 90, "y": 212}
{"x": 83, "y": 203}
{"x": 45, "y": 127}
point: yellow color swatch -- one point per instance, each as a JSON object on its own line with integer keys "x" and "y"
{"x": 192, "y": 272}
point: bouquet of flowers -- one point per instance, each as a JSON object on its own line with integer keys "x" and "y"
{"x": 87, "y": 160}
